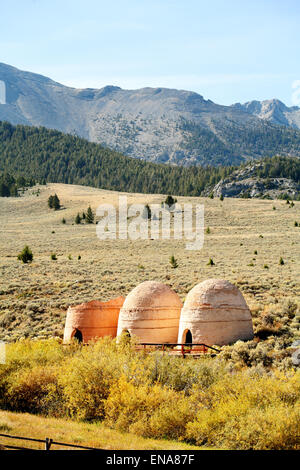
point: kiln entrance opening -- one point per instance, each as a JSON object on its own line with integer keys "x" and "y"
{"x": 187, "y": 337}
{"x": 78, "y": 335}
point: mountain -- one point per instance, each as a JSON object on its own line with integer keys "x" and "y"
{"x": 154, "y": 124}
{"x": 272, "y": 110}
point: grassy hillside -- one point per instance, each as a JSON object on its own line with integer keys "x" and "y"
{"x": 78, "y": 433}
{"x": 34, "y": 297}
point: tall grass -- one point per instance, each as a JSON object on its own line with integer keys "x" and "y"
{"x": 152, "y": 395}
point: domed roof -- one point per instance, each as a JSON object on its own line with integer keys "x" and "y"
{"x": 98, "y": 304}
{"x": 215, "y": 298}
{"x": 152, "y": 294}
{"x": 215, "y": 312}
{"x": 151, "y": 312}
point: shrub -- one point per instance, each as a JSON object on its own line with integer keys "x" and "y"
{"x": 204, "y": 402}
{"x": 254, "y": 413}
{"x": 170, "y": 201}
{"x": 85, "y": 387}
{"x": 26, "y": 255}
{"x": 147, "y": 410}
{"x": 32, "y": 390}
{"x": 54, "y": 202}
{"x": 173, "y": 262}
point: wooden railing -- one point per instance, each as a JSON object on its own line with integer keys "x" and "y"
{"x": 47, "y": 443}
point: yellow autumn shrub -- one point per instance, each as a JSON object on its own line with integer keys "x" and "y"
{"x": 32, "y": 389}
{"x": 231, "y": 413}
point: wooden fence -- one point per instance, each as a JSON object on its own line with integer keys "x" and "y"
{"x": 47, "y": 443}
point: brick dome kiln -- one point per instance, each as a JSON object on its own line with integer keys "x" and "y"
{"x": 215, "y": 312}
{"x": 93, "y": 319}
{"x": 151, "y": 312}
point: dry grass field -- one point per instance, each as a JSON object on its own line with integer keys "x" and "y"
{"x": 34, "y": 297}
{"x": 78, "y": 433}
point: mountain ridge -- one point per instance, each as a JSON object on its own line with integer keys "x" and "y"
{"x": 272, "y": 110}
{"x": 153, "y": 124}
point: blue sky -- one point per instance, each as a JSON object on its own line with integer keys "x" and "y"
{"x": 228, "y": 51}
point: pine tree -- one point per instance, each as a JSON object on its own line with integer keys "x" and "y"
{"x": 56, "y": 202}
{"x": 170, "y": 201}
{"x": 77, "y": 219}
{"x": 148, "y": 211}
{"x": 50, "y": 202}
{"x": 89, "y": 216}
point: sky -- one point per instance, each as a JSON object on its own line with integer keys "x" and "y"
{"x": 227, "y": 50}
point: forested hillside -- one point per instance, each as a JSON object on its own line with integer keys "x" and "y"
{"x": 31, "y": 154}
{"x": 50, "y": 155}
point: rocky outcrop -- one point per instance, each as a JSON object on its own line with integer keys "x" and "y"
{"x": 215, "y": 313}
{"x": 255, "y": 187}
{"x": 245, "y": 183}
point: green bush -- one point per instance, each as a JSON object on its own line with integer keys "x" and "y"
{"x": 26, "y": 255}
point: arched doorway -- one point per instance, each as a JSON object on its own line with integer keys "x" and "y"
{"x": 78, "y": 335}
{"x": 187, "y": 337}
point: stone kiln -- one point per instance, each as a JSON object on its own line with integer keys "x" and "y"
{"x": 151, "y": 312}
{"x": 215, "y": 312}
{"x": 93, "y": 319}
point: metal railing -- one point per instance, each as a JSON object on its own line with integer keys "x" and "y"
{"x": 183, "y": 348}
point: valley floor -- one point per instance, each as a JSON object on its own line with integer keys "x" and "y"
{"x": 246, "y": 239}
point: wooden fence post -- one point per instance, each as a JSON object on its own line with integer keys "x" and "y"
{"x": 48, "y": 443}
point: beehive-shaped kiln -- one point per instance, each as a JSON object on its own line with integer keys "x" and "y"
{"x": 151, "y": 312}
{"x": 92, "y": 320}
{"x": 215, "y": 312}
